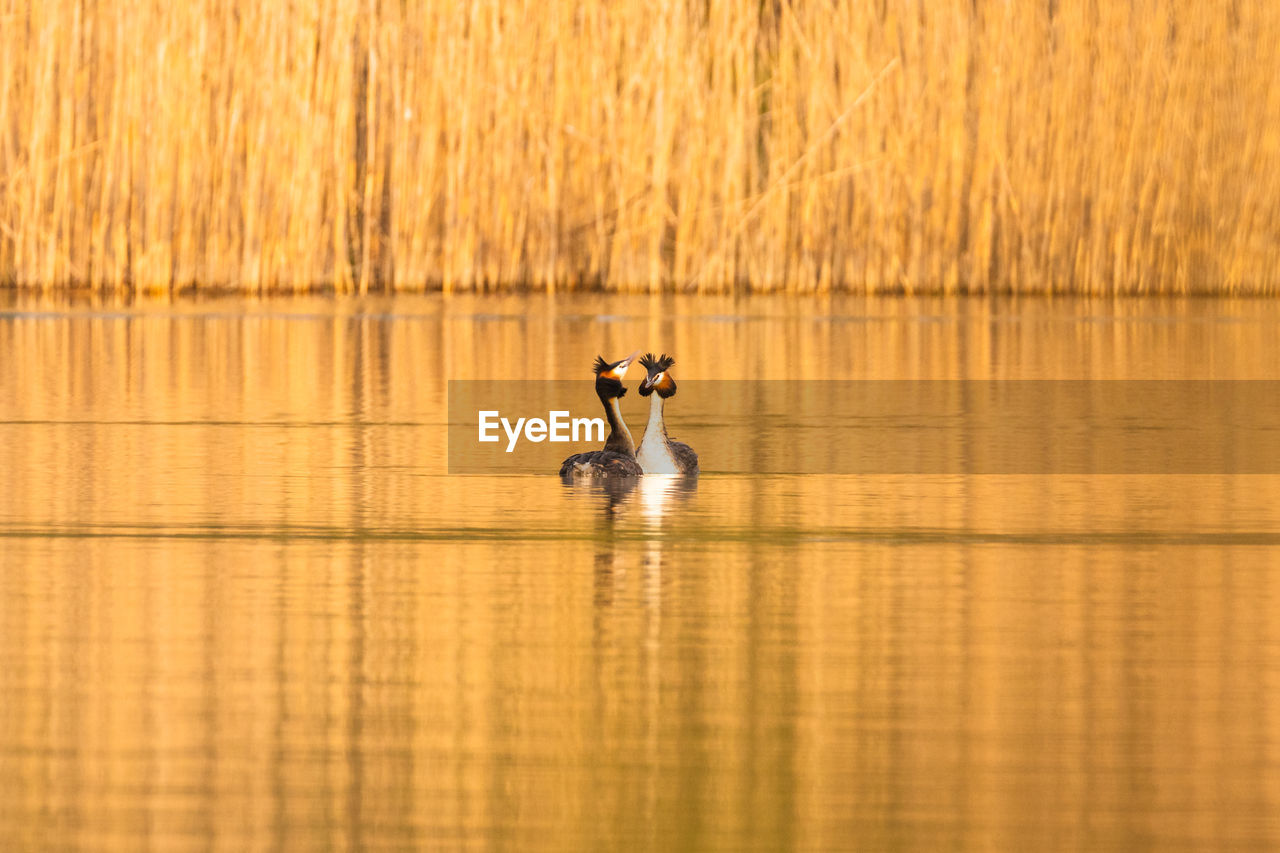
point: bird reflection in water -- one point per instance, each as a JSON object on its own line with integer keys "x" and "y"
{"x": 620, "y": 498}
{"x": 624, "y": 500}
{"x": 627, "y": 622}
{"x": 658, "y": 495}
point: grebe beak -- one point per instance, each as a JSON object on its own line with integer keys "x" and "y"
{"x": 619, "y": 368}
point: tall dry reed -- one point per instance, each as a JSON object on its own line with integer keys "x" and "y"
{"x": 958, "y": 145}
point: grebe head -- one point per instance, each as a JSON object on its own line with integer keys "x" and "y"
{"x": 659, "y": 378}
{"x": 609, "y": 375}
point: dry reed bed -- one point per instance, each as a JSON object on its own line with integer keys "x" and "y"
{"x": 960, "y": 145}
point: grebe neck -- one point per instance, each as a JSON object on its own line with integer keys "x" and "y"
{"x": 619, "y": 440}
{"x": 656, "y": 426}
{"x": 655, "y": 455}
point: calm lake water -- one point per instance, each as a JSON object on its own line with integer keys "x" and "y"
{"x": 243, "y": 605}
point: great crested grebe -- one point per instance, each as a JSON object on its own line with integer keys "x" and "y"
{"x": 658, "y": 454}
{"x": 618, "y": 458}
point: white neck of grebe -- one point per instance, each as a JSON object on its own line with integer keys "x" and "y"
{"x": 654, "y": 454}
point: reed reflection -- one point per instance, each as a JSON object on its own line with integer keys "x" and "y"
{"x": 241, "y": 606}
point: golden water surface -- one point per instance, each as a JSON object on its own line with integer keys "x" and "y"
{"x": 242, "y": 605}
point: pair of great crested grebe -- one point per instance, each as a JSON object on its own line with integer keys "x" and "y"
{"x": 657, "y": 454}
